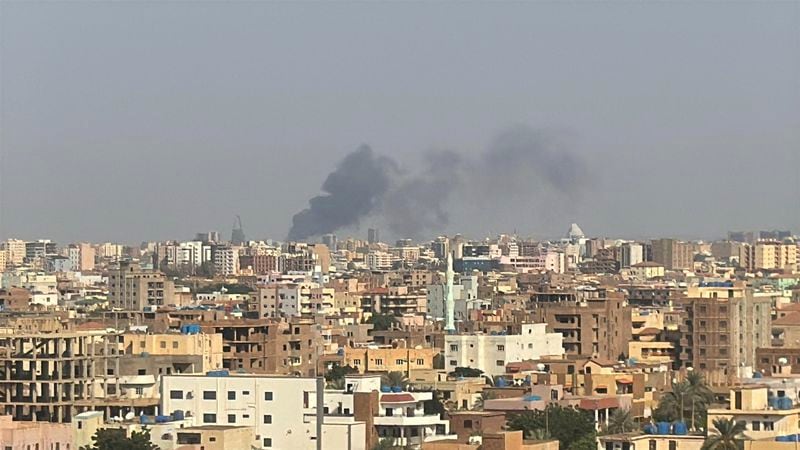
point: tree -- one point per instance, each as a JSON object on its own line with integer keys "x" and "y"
{"x": 336, "y": 383}
{"x": 115, "y": 439}
{"x": 726, "y": 436}
{"x": 568, "y": 425}
{"x": 689, "y": 399}
{"x": 479, "y": 403}
{"x": 381, "y": 322}
{"x": 621, "y": 421}
{"x": 466, "y": 372}
{"x": 394, "y": 379}
{"x": 339, "y": 372}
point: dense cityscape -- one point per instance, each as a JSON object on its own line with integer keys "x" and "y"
{"x": 454, "y": 343}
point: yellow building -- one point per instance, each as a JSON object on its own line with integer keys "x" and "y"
{"x": 388, "y": 359}
{"x": 173, "y": 344}
{"x": 750, "y": 404}
{"x": 639, "y": 441}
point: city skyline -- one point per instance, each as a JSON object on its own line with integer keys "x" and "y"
{"x": 688, "y": 130}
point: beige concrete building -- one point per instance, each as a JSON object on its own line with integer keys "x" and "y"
{"x": 750, "y": 404}
{"x": 388, "y": 359}
{"x": 673, "y": 254}
{"x": 774, "y": 255}
{"x": 208, "y": 346}
{"x": 132, "y": 288}
{"x": 215, "y": 437}
{"x": 33, "y": 435}
{"x": 724, "y": 326}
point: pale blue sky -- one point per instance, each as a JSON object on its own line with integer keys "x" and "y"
{"x": 133, "y": 120}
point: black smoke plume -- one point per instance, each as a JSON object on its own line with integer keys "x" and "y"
{"x": 518, "y": 163}
{"x": 352, "y": 191}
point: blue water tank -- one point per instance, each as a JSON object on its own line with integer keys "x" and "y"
{"x": 146, "y": 419}
{"x": 217, "y": 373}
{"x": 501, "y": 382}
{"x": 774, "y": 402}
{"x": 532, "y": 398}
{"x": 679, "y": 428}
{"x": 650, "y": 429}
{"x": 397, "y": 389}
{"x": 178, "y": 415}
{"x": 757, "y": 375}
{"x": 163, "y": 419}
{"x": 781, "y": 438}
{"x": 385, "y": 389}
{"x": 663, "y": 427}
{"x": 784, "y": 403}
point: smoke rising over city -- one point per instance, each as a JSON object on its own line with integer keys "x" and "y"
{"x": 519, "y": 162}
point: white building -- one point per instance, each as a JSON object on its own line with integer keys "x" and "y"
{"x": 379, "y": 260}
{"x": 401, "y": 416}
{"x": 282, "y": 410}
{"x": 226, "y": 260}
{"x": 491, "y": 353}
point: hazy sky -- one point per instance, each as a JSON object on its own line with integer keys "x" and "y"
{"x": 142, "y": 120}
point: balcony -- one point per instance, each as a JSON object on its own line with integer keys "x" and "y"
{"x": 401, "y": 421}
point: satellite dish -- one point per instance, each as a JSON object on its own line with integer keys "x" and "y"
{"x": 540, "y": 367}
{"x": 130, "y": 415}
{"x": 783, "y": 361}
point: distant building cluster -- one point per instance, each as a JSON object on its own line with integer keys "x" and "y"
{"x": 449, "y": 344}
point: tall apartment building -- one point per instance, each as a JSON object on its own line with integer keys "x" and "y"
{"x": 631, "y": 254}
{"x": 15, "y": 249}
{"x": 770, "y": 255}
{"x": 594, "y": 323}
{"x": 131, "y": 288}
{"x": 82, "y": 256}
{"x": 673, "y": 254}
{"x": 226, "y": 260}
{"x": 723, "y": 327}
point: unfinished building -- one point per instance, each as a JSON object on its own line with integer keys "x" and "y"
{"x": 53, "y": 376}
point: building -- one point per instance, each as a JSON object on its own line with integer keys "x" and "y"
{"x": 15, "y": 251}
{"x": 592, "y": 322}
{"x": 773, "y": 255}
{"x": 33, "y": 435}
{"x": 389, "y": 359}
{"x": 226, "y": 260}
{"x": 82, "y": 256}
{"x": 763, "y": 417}
{"x": 724, "y": 325}
{"x": 640, "y": 441}
{"x": 647, "y": 270}
{"x": 673, "y": 254}
{"x": 373, "y": 236}
{"x": 491, "y": 353}
{"x": 283, "y": 412}
{"x": 133, "y": 289}
{"x": 50, "y": 377}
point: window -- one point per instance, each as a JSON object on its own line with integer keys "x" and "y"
{"x": 209, "y": 418}
{"x": 769, "y": 426}
{"x": 399, "y": 362}
{"x": 174, "y": 344}
{"x": 467, "y": 423}
{"x": 267, "y": 442}
{"x": 141, "y": 372}
{"x": 209, "y": 395}
{"x": 268, "y": 396}
{"x": 245, "y": 392}
{"x": 356, "y": 362}
{"x": 501, "y": 348}
{"x": 379, "y": 361}
{"x": 231, "y": 395}
{"x": 420, "y": 362}
{"x": 139, "y": 391}
{"x": 652, "y": 444}
{"x": 453, "y": 348}
{"x": 756, "y": 425}
{"x": 453, "y": 362}
{"x": 231, "y": 418}
{"x": 176, "y": 395}
{"x": 673, "y": 445}
{"x": 267, "y": 418}
{"x": 389, "y": 412}
{"x": 500, "y": 362}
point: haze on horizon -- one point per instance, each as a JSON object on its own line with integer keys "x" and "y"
{"x": 131, "y": 121}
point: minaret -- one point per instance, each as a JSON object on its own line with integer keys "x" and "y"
{"x": 449, "y": 303}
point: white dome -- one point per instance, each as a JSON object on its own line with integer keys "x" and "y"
{"x": 575, "y": 232}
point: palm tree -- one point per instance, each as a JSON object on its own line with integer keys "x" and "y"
{"x": 621, "y": 421}
{"x": 701, "y": 397}
{"x": 726, "y": 437}
{"x": 394, "y": 379}
{"x": 539, "y": 434}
